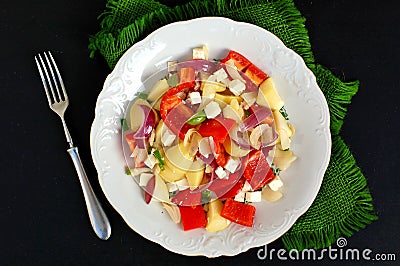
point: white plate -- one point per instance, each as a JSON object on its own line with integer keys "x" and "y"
{"x": 304, "y": 101}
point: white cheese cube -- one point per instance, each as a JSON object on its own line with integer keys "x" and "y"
{"x": 167, "y": 137}
{"x": 221, "y": 173}
{"x": 232, "y": 164}
{"x": 247, "y": 187}
{"x": 195, "y": 97}
{"x": 220, "y": 74}
{"x": 249, "y": 97}
{"x": 212, "y": 110}
{"x": 144, "y": 179}
{"x": 253, "y": 196}
{"x": 172, "y": 187}
{"x": 150, "y": 161}
{"x": 240, "y": 196}
{"x": 275, "y": 184}
{"x": 236, "y": 87}
{"x": 182, "y": 184}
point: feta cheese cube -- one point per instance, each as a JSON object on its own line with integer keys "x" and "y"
{"x": 150, "y": 161}
{"x": 172, "y": 187}
{"x": 195, "y": 97}
{"x": 236, "y": 87}
{"x": 212, "y": 110}
{"x": 232, "y": 164}
{"x": 182, "y": 184}
{"x": 246, "y": 187}
{"x": 220, "y": 74}
{"x": 144, "y": 179}
{"x": 240, "y": 196}
{"x": 253, "y": 196}
{"x": 221, "y": 173}
{"x": 275, "y": 184}
{"x": 167, "y": 137}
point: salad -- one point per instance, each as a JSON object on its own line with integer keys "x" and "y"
{"x": 208, "y": 140}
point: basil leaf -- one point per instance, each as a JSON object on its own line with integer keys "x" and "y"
{"x": 173, "y": 80}
{"x": 197, "y": 118}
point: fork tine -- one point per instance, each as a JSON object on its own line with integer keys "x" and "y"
{"x": 59, "y": 77}
{"x": 46, "y": 89}
{"x": 48, "y": 80}
{"x": 52, "y": 75}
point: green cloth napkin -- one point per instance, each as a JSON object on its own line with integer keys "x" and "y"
{"x": 343, "y": 204}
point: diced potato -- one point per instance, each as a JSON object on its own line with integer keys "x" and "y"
{"x": 268, "y": 95}
{"x": 282, "y": 159}
{"x": 168, "y": 174}
{"x": 160, "y": 189}
{"x": 210, "y": 88}
{"x": 269, "y": 195}
{"x": 215, "y": 222}
{"x": 158, "y": 90}
{"x": 195, "y": 174}
{"x": 284, "y": 130}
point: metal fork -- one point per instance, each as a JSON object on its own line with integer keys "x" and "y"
{"x": 58, "y": 102}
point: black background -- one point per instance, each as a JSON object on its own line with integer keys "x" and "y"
{"x": 43, "y": 216}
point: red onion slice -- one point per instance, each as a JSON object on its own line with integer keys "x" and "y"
{"x": 144, "y": 132}
{"x": 259, "y": 113}
{"x": 199, "y": 65}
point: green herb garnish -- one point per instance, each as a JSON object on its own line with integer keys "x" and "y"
{"x": 205, "y": 196}
{"x": 124, "y": 125}
{"x": 160, "y": 159}
{"x": 197, "y": 118}
{"x": 276, "y": 170}
{"x": 142, "y": 95}
{"x": 284, "y": 113}
{"x": 173, "y": 80}
{"x": 247, "y": 113}
{"x": 127, "y": 170}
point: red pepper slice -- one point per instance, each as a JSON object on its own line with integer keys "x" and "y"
{"x": 180, "y": 87}
{"x": 192, "y": 217}
{"x": 235, "y": 189}
{"x": 255, "y": 74}
{"x": 239, "y": 60}
{"x": 217, "y": 128}
{"x": 238, "y": 212}
{"x": 257, "y": 170}
{"x": 168, "y": 102}
{"x": 220, "y": 155}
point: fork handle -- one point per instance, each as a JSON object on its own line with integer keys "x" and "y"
{"x": 97, "y": 216}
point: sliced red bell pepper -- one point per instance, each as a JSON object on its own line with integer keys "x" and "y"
{"x": 223, "y": 186}
{"x": 235, "y": 189}
{"x": 218, "y": 128}
{"x": 255, "y": 74}
{"x": 186, "y": 74}
{"x": 220, "y": 155}
{"x": 181, "y": 87}
{"x": 257, "y": 170}
{"x": 192, "y": 217}
{"x": 239, "y": 60}
{"x": 238, "y": 212}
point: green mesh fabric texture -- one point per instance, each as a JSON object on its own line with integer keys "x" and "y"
{"x": 344, "y": 204}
